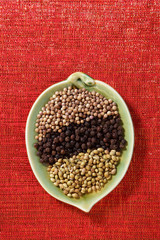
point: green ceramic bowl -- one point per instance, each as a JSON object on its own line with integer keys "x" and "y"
{"x": 80, "y": 80}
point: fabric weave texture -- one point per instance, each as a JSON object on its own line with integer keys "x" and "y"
{"x": 42, "y": 42}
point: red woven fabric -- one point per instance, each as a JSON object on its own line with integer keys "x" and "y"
{"x": 43, "y": 42}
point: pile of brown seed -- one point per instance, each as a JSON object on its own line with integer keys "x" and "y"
{"x": 84, "y": 173}
{"x": 72, "y": 105}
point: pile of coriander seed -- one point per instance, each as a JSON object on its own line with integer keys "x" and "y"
{"x": 80, "y": 135}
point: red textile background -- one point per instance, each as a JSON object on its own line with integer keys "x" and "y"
{"x": 43, "y": 42}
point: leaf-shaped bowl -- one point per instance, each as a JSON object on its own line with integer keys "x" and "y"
{"x": 80, "y": 80}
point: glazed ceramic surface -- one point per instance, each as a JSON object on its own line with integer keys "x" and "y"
{"x": 80, "y": 80}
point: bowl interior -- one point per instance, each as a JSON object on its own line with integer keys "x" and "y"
{"x": 86, "y": 202}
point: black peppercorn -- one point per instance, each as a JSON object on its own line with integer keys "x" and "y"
{"x": 67, "y": 139}
{"x": 36, "y": 145}
{"x": 120, "y": 128}
{"x": 120, "y": 132}
{"x": 105, "y": 130}
{"x": 120, "y": 138}
{"x": 63, "y": 152}
{"x": 82, "y": 130}
{"x": 40, "y": 143}
{"x": 72, "y": 137}
{"x": 77, "y": 138}
{"x": 92, "y": 133}
{"x": 41, "y": 160}
{"x": 68, "y": 133}
{"x": 48, "y": 135}
{"x": 83, "y": 146}
{"x": 53, "y": 152}
{"x": 114, "y": 135}
{"x": 47, "y": 150}
{"x": 62, "y": 135}
{"x": 56, "y": 140}
{"x": 61, "y": 139}
{"x": 115, "y": 125}
{"x": 93, "y": 140}
{"x": 110, "y": 128}
{"x": 57, "y": 156}
{"x": 113, "y": 141}
{"x": 48, "y": 144}
{"x": 67, "y": 145}
{"x": 108, "y": 135}
{"x": 58, "y": 149}
{"x": 99, "y": 129}
{"x": 99, "y": 135}
{"x": 112, "y": 121}
{"x": 40, "y": 149}
{"x": 89, "y": 144}
{"x": 51, "y": 160}
{"x": 93, "y": 122}
{"x": 77, "y": 145}
{"x": 87, "y": 124}
{"x": 53, "y": 146}
{"x": 72, "y": 143}
{"x": 39, "y": 154}
{"x": 99, "y": 121}
{"x": 121, "y": 145}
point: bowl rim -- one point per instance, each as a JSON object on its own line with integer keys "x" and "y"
{"x": 87, "y": 209}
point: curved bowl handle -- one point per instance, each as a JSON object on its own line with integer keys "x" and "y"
{"x": 80, "y": 79}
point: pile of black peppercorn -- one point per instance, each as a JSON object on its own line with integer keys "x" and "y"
{"x": 107, "y": 133}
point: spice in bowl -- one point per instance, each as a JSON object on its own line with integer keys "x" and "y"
{"x": 80, "y": 134}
